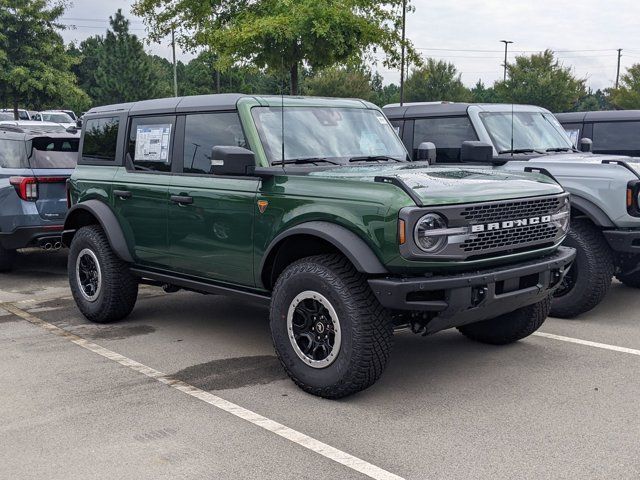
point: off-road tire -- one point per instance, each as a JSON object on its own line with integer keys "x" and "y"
{"x": 594, "y": 266}
{"x": 7, "y": 257}
{"x": 119, "y": 289}
{"x": 630, "y": 280}
{"x": 366, "y": 327}
{"x": 510, "y": 327}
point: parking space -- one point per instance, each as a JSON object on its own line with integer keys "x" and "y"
{"x": 445, "y": 408}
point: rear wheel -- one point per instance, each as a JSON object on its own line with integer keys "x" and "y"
{"x": 7, "y": 258}
{"x": 510, "y": 327}
{"x": 102, "y": 285}
{"x": 330, "y": 333}
{"x": 589, "y": 278}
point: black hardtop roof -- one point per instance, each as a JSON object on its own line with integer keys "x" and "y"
{"x": 409, "y": 110}
{"x": 222, "y": 101}
{"x": 599, "y": 116}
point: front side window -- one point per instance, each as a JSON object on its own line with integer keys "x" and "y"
{"x": 54, "y": 152}
{"x": 150, "y": 143}
{"x": 205, "y": 131}
{"x": 13, "y": 154}
{"x": 335, "y": 134}
{"x": 526, "y": 131}
{"x": 446, "y": 133}
{"x": 100, "y": 139}
{"x": 616, "y": 136}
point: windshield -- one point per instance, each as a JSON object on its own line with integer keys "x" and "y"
{"x": 531, "y": 131}
{"x": 56, "y": 118}
{"x": 326, "y": 133}
{"x": 54, "y": 152}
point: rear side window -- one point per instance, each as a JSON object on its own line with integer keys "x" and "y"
{"x": 100, "y": 139}
{"x": 205, "y": 131}
{"x": 150, "y": 143}
{"x": 13, "y": 154}
{"x": 616, "y": 136}
{"x": 54, "y": 152}
{"x": 447, "y": 133}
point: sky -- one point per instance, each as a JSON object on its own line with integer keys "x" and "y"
{"x": 585, "y": 34}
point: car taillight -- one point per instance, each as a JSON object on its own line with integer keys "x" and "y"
{"x": 67, "y": 189}
{"x": 27, "y": 187}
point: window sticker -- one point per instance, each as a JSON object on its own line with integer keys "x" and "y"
{"x": 152, "y": 143}
{"x": 574, "y": 135}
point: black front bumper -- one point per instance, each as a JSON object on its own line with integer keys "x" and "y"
{"x": 459, "y": 299}
{"x": 623, "y": 241}
{"x": 24, "y": 237}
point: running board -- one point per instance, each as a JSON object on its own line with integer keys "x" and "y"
{"x": 201, "y": 286}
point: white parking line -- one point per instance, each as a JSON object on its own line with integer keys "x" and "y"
{"x": 588, "y": 343}
{"x": 290, "y": 434}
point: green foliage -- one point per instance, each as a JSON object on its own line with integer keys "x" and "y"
{"x": 343, "y": 82}
{"x": 627, "y": 96}
{"x": 593, "y": 101}
{"x": 35, "y": 67}
{"x": 540, "y": 80}
{"x": 481, "y": 94}
{"x": 122, "y": 70}
{"x": 437, "y": 80}
{"x": 280, "y": 34}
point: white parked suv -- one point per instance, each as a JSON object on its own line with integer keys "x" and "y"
{"x": 55, "y": 116}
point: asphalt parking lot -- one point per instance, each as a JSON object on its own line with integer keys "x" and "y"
{"x": 189, "y": 387}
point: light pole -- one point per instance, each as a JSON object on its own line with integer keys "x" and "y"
{"x": 506, "y": 49}
{"x": 618, "y": 70}
{"x": 402, "y": 52}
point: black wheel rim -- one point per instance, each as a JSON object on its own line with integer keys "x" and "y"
{"x": 88, "y": 275}
{"x": 313, "y": 329}
{"x": 568, "y": 282}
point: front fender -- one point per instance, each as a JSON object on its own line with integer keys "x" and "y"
{"x": 96, "y": 212}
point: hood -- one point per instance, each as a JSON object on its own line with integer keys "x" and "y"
{"x": 588, "y": 158}
{"x": 448, "y": 185}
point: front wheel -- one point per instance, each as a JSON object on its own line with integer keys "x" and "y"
{"x": 330, "y": 333}
{"x": 102, "y": 285}
{"x": 588, "y": 280}
{"x": 510, "y": 327}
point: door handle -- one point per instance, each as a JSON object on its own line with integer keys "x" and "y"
{"x": 122, "y": 194}
{"x": 181, "y": 199}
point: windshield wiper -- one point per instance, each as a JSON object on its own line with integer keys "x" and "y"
{"x": 372, "y": 158}
{"x": 520, "y": 150}
{"x": 559, "y": 149}
{"x": 302, "y": 161}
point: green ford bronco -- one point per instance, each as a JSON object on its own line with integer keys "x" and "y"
{"x": 311, "y": 207}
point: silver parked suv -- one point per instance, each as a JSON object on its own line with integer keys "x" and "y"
{"x": 36, "y": 158}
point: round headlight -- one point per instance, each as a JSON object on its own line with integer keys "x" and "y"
{"x": 426, "y": 235}
{"x": 562, "y": 217}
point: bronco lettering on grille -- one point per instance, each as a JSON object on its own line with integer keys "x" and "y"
{"x": 523, "y": 222}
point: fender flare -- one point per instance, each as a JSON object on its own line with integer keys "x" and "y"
{"x": 107, "y": 220}
{"x": 592, "y": 211}
{"x": 351, "y": 245}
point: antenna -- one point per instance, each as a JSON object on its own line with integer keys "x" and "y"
{"x": 282, "y": 109}
{"x": 512, "y": 128}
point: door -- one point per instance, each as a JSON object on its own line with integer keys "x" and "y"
{"x": 140, "y": 193}
{"x": 211, "y": 217}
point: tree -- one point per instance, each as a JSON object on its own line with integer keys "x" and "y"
{"x": 540, "y": 80}
{"x": 627, "y": 96}
{"x": 280, "y": 34}
{"x": 35, "y": 67}
{"x": 481, "y": 94}
{"x": 124, "y": 72}
{"x": 594, "y": 101}
{"x": 343, "y": 82}
{"x": 437, "y": 80}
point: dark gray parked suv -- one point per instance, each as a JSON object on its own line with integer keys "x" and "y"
{"x": 35, "y": 163}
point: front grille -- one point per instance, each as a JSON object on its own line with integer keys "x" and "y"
{"x": 510, "y": 238}
{"x": 510, "y": 210}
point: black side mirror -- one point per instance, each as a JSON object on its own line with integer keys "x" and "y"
{"x": 474, "y": 151}
{"x": 233, "y": 161}
{"x": 586, "y": 145}
{"x": 427, "y": 152}
{"x": 79, "y": 123}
